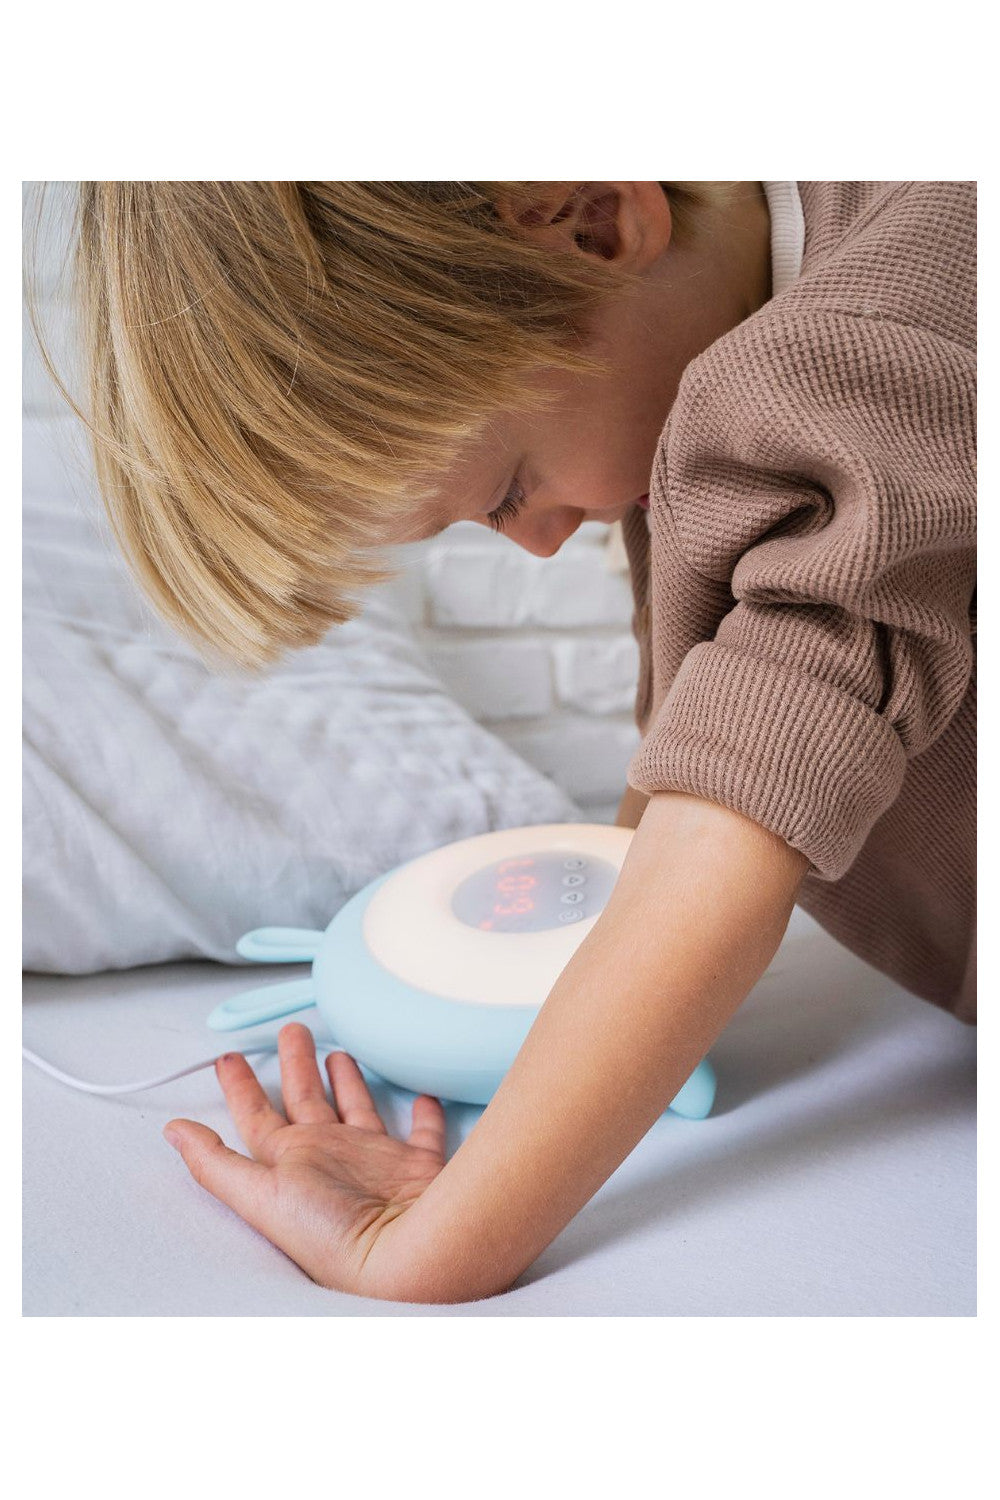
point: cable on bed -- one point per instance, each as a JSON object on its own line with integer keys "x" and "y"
{"x": 129, "y": 1088}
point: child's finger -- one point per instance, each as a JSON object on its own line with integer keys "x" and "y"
{"x": 233, "y": 1179}
{"x": 355, "y": 1105}
{"x": 253, "y": 1113}
{"x": 302, "y": 1088}
{"x": 429, "y": 1124}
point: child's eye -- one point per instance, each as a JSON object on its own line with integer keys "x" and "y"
{"x": 509, "y": 507}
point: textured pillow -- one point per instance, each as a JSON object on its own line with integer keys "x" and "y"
{"x": 167, "y": 809}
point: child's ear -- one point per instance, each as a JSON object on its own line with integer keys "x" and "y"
{"x": 627, "y": 222}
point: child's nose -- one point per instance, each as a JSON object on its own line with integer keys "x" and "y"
{"x": 544, "y": 534}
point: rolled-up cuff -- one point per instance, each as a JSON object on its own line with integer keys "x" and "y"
{"x": 803, "y": 759}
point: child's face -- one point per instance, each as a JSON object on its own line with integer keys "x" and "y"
{"x": 589, "y": 456}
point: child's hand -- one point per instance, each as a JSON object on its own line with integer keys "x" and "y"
{"x": 325, "y": 1181}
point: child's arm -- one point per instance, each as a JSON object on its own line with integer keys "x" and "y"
{"x": 631, "y": 808}
{"x": 695, "y": 917}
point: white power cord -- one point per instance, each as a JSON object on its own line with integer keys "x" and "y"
{"x": 129, "y": 1088}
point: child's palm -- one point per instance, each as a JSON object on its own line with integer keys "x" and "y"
{"x": 325, "y": 1179}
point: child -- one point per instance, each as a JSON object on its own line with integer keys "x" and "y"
{"x": 772, "y": 387}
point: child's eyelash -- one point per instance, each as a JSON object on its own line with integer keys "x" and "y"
{"x": 509, "y": 507}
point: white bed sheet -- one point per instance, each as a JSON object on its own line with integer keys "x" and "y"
{"x": 836, "y": 1176}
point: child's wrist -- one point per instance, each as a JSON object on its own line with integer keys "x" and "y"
{"x": 402, "y": 1265}
{"x": 391, "y": 1270}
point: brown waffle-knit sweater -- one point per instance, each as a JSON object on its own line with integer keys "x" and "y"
{"x": 805, "y": 590}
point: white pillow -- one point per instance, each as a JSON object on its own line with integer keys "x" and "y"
{"x": 167, "y": 810}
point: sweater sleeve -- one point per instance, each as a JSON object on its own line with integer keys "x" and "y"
{"x": 824, "y": 470}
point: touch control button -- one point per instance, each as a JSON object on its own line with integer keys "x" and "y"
{"x": 571, "y": 916}
{"x": 574, "y": 864}
{"x": 574, "y": 880}
{"x": 570, "y": 898}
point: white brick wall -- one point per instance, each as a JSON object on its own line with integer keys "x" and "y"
{"x": 538, "y": 649}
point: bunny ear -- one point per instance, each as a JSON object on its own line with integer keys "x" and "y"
{"x": 280, "y": 945}
{"x": 269, "y": 1003}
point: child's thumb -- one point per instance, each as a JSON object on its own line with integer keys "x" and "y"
{"x": 226, "y": 1174}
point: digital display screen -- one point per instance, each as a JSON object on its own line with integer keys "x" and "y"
{"x": 532, "y": 892}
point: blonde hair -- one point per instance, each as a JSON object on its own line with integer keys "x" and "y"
{"x": 274, "y": 369}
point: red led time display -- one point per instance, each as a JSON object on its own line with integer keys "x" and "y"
{"x": 513, "y": 888}
{"x": 533, "y": 892}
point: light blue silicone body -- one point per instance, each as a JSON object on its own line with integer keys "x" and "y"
{"x": 412, "y": 1038}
